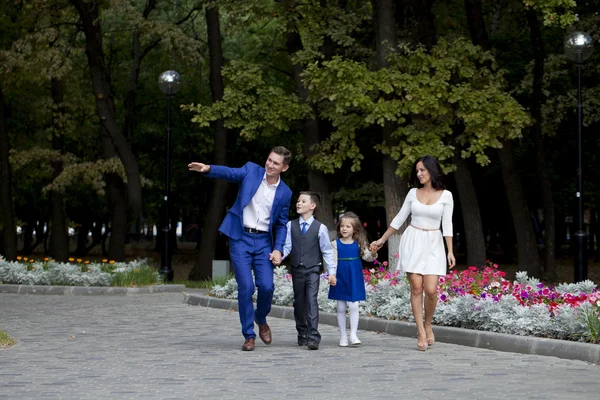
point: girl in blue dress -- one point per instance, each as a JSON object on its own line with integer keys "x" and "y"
{"x": 349, "y": 284}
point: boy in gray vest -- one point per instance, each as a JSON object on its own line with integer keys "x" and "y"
{"x": 307, "y": 242}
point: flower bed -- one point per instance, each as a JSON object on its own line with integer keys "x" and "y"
{"x": 77, "y": 272}
{"x": 475, "y": 298}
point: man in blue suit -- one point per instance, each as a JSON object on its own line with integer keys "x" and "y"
{"x": 256, "y": 227}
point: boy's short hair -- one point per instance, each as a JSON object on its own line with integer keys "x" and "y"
{"x": 283, "y": 152}
{"x": 315, "y": 198}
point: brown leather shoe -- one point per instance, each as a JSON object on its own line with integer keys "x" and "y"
{"x": 264, "y": 332}
{"x": 248, "y": 345}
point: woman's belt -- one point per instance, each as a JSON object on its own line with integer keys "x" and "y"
{"x": 425, "y": 229}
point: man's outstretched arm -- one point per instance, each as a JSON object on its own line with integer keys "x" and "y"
{"x": 219, "y": 171}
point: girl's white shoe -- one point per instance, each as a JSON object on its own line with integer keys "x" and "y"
{"x": 344, "y": 342}
{"x": 354, "y": 340}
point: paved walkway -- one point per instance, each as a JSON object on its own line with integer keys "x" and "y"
{"x": 156, "y": 347}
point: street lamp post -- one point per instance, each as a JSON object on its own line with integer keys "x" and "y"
{"x": 578, "y": 48}
{"x": 169, "y": 82}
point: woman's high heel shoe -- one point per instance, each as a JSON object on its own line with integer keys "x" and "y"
{"x": 421, "y": 342}
{"x": 430, "y": 336}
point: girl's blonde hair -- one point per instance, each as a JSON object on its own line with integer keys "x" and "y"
{"x": 359, "y": 235}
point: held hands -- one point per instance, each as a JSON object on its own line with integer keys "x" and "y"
{"x": 451, "y": 260}
{"x": 376, "y": 245}
{"x": 275, "y": 257}
{"x": 332, "y": 280}
{"x": 198, "y": 167}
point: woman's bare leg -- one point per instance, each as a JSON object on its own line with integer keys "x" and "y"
{"x": 416, "y": 301}
{"x": 430, "y": 284}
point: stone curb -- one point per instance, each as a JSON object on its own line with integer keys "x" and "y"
{"x": 464, "y": 337}
{"x": 88, "y": 290}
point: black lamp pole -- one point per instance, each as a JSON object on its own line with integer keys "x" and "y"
{"x": 580, "y": 236}
{"x": 579, "y": 47}
{"x": 169, "y": 82}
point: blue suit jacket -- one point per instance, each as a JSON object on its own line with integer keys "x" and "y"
{"x": 249, "y": 176}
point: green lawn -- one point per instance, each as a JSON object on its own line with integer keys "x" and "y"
{"x": 5, "y": 340}
{"x": 204, "y": 284}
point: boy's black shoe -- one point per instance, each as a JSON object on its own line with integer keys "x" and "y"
{"x": 302, "y": 340}
{"x": 313, "y": 346}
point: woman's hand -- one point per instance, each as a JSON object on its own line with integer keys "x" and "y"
{"x": 451, "y": 260}
{"x": 376, "y": 245}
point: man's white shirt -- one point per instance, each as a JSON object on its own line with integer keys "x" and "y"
{"x": 257, "y": 215}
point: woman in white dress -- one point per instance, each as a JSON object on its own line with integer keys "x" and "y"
{"x": 422, "y": 254}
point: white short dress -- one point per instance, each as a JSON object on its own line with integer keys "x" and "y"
{"x": 422, "y": 245}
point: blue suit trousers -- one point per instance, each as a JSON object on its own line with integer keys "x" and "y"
{"x": 251, "y": 253}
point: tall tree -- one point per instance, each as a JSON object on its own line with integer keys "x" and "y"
{"x": 395, "y": 187}
{"x": 537, "y": 99}
{"x": 312, "y": 128}
{"x": 471, "y": 212}
{"x": 114, "y": 142}
{"x": 527, "y": 253}
{"x": 214, "y": 212}
{"x": 9, "y": 231}
{"x": 59, "y": 237}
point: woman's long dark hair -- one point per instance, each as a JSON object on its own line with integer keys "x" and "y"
{"x": 434, "y": 169}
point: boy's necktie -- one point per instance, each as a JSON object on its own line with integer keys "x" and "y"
{"x": 304, "y": 227}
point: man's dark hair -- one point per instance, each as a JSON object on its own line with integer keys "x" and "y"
{"x": 285, "y": 153}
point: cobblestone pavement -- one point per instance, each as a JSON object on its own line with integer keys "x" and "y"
{"x": 156, "y": 347}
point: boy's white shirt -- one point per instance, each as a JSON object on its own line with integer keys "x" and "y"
{"x": 326, "y": 247}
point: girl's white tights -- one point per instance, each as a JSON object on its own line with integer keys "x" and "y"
{"x": 341, "y": 317}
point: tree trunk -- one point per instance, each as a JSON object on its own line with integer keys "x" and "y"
{"x": 476, "y": 255}
{"x": 537, "y": 100}
{"x": 395, "y": 188}
{"x": 203, "y": 266}
{"x": 116, "y": 193}
{"x": 424, "y": 19}
{"x": 40, "y": 236}
{"x": 82, "y": 240}
{"x": 317, "y": 180}
{"x": 117, "y": 197}
{"x": 527, "y": 254}
{"x": 9, "y": 231}
{"x": 105, "y": 105}
{"x": 476, "y": 23}
{"x": 27, "y": 238}
{"x": 528, "y": 258}
{"x": 59, "y": 237}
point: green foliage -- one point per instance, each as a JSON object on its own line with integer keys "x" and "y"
{"x": 144, "y": 275}
{"x": 369, "y": 195}
{"x": 90, "y": 173}
{"x": 450, "y": 98}
{"x": 555, "y": 12}
{"x": 222, "y": 280}
{"x": 589, "y": 317}
{"x": 250, "y": 104}
{"x": 5, "y": 340}
{"x": 316, "y": 20}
